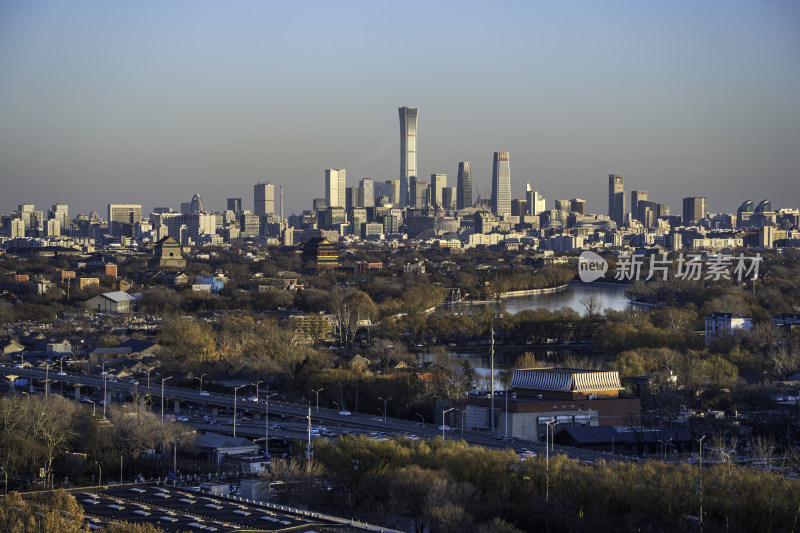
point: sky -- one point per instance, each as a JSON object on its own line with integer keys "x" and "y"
{"x": 153, "y": 101}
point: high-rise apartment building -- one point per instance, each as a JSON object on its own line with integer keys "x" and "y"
{"x": 264, "y": 199}
{"x": 695, "y": 209}
{"x": 464, "y": 186}
{"x": 636, "y": 197}
{"x": 122, "y": 218}
{"x": 616, "y": 198}
{"x": 438, "y": 184}
{"x": 235, "y": 205}
{"x": 578, "y": 206}
{"x": 60, "y": 212}
{"x": 501, "y": 184}
{"x": 408, "y": 151}
{"x": 335, "y": 187}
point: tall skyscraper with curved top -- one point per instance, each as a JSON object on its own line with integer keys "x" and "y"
{"x": 408, "y": 150}
{"x": 464, "y": 183}
{"x": 501, "y": 184}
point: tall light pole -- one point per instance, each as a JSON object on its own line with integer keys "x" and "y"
{"x": 162, "y": 398}
{"x": 547, "y": 450}
{"x": 148, "y": 379}
{"x": 506, "y": 411}
{"x": 491, "y": 371}
{"x": 94, "y": 408}
{"x": 317, "y": 393}
{"x": 105, "y": 394}
{"x": 384, "y": 408}
{"x": 46, "y": 381}
{"x": 201, "y": 381}
{"x": 443, "y": 426}
{"x": 235, "y": 390}
{"x": 266, "y": 425}
{"x": 256, "y": 384}
{"x": 423, "y": 419}
{"x": 701, "y": 481}
{"x": 100, "y": 476}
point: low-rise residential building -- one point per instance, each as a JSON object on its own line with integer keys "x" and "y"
{"x": 720, "y": 324}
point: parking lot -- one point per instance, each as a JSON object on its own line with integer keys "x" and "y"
{"x": 176, "y": 509}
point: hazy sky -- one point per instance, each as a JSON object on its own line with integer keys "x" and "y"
{"x": 152, "y": 101}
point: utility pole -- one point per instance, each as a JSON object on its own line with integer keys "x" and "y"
{"x": 491, "y": 392}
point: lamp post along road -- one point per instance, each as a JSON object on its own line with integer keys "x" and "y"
{"x": 256, "y": 384}
{"x": 317, "y": 393}
{"x": 384, "y": 408}
{"x": 163, "y": 380}
{"x": 443, "y": 426}
{"x": 235, "y": 390}
{"x": 201, "y": 381}
{"x": 266, "y": 426}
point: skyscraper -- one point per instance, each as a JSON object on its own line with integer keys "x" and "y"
{"x": 394, "y": 197}
{"x": 60, "y": 212}
{"x": 578, "y": 206}
{"x": 235, "y": 205}
{"x": 196, "y": 205}
{"x": 366, "y": 193}
{"x": 122, "y": 218}
{"x": 535, "y": 201}
{"x": 616, "y": 198}
{"x": 408, "y": 150}
{"x": 464, "y": 186}
{"x": 264, "y": 199}
{"x": 695, "y": 209}
{"x": 334, "y": 187}
{"x": 636, "y": 197}
{"x": 438, "y": 183}
{"x": 501, "y": 184}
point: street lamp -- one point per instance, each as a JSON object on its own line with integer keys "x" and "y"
{"x": 384, "y": 408}
{"x": 163, "y": 380}
{"x": 46, "y": 381}
{"x": 100, "y": 475}
{"x": 701, "y": 439}
{"x": 235, "y": 390}
{"x": 336, "y": 404}
{"x": 554, "y": 421}
{"x": 422, "y": 418}
{"x": 317, "y": 393}
{"x": 443, "y": 426}
{"x": 94, "y": 408}
{"x": 266, "y": 425}
{"x": 256, "y": 384}
{"x": 201, "y": 381}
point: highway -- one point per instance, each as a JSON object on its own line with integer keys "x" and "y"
{"x": 330, "y": 418}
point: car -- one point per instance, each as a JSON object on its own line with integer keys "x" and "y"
{"x": 377, "y": 419}
{"x": 445, "y": 428}
{"x": 526, "y": 454}
{"x": 85, "y": 399}
{"x": 252, "y": 399}
{"x": 345, "y": 413}
{"x": 204, "y": 393}
{"x": 182, "y": 419}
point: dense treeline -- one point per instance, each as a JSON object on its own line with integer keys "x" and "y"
{"x": 450, "y": 486}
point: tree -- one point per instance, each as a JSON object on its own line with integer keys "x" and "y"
{"x": 189, "y": 340}
{"x": 42, "y": 513}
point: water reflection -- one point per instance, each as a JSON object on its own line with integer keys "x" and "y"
{"x": 609, "y": 296}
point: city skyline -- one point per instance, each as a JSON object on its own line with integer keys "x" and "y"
{"x": 684, "y": 100}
